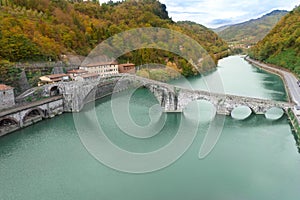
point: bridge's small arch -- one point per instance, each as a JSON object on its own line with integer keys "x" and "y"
{"x": 274, "y": 113}
{"x": 241, "y": 112}
{"x": 8, "y": 122}
{"x": 200, "y": 109}
{"x": 35, "y": 113}
{"x": 54, "y": 91}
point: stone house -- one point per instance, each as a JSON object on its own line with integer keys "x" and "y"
{"x": 76, "y": 72}
{"x": 127, "y": 68}
{"x": 53, "y": 78}
{"x": 7, "y": 97}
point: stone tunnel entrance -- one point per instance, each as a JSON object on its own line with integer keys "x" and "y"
{"x": 54, "y": 91}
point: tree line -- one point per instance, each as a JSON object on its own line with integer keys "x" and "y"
{"x": 282, "y": 45}
{"x": 43, "y": 30}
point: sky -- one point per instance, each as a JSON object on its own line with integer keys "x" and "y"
{"x": 216, "y": 13}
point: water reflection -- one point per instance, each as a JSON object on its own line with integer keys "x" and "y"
{"x": 241, "y": 112}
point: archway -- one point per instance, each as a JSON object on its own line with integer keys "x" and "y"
{"x": 200, "y": 109}
{"x": 54, "y": 91}
{"x": 34, "y": 114}
{"x": 8, "y": 122}
{"x": 8, "y": 125}
{"x": 274, "y": 113}
{"x": 241, "y": 112}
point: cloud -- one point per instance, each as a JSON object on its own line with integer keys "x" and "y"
{"x": 189, "y": 12}
{"x": 221, "y": 21}
{"x": 214, "y": 13}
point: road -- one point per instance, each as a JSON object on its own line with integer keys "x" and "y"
{"x": 289, "y": 79}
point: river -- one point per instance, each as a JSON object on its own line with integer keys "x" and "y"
{"x": 254, "y": 158}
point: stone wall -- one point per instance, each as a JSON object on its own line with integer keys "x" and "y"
{"x": 77, "y": 94}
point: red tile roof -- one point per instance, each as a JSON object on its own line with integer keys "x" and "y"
{"x": 5, "y": 87}
{"x": 77, "y": 71}
{"x": 54, "y": 76}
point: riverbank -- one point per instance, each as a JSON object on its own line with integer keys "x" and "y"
{"x": 272, "y": 70}
{"x": 292, "y": 88}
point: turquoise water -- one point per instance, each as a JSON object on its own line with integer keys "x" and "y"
{"x": 254, "y": 159}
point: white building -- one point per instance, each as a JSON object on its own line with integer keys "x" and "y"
{"x": 104, "y": 69}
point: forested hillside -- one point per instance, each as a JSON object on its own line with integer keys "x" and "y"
{"x": 209, "y": 40}
{"x": 250, "y": 32}
{"x": 282, "y": 45}
{"x": 43, "y": 30}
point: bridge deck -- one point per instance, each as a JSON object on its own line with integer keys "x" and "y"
{"x": 18, "y": 108}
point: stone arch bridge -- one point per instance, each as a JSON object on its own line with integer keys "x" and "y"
{"x": 72, "y": 96}
{"x": 175, "y": 99}
{"x": 171, "y": 98}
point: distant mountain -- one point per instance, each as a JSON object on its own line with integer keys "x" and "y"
{"x": 250, "y": 32}
{"x": 221, "y": 28}
{"x": 282, "y": 45}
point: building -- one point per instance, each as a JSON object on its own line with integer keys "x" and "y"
{"x": 53, "y": 78}
{"x": 127, "y": 68}
{"x": 104, "y": 69}
{"x": 7, "y": 97}
{"x": 88, "y": 77}
{"x": 76, "y": 72}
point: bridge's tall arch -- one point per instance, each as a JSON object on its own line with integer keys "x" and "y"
{"x": 186, "y": 97}
{"x": 201, "y": 109}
